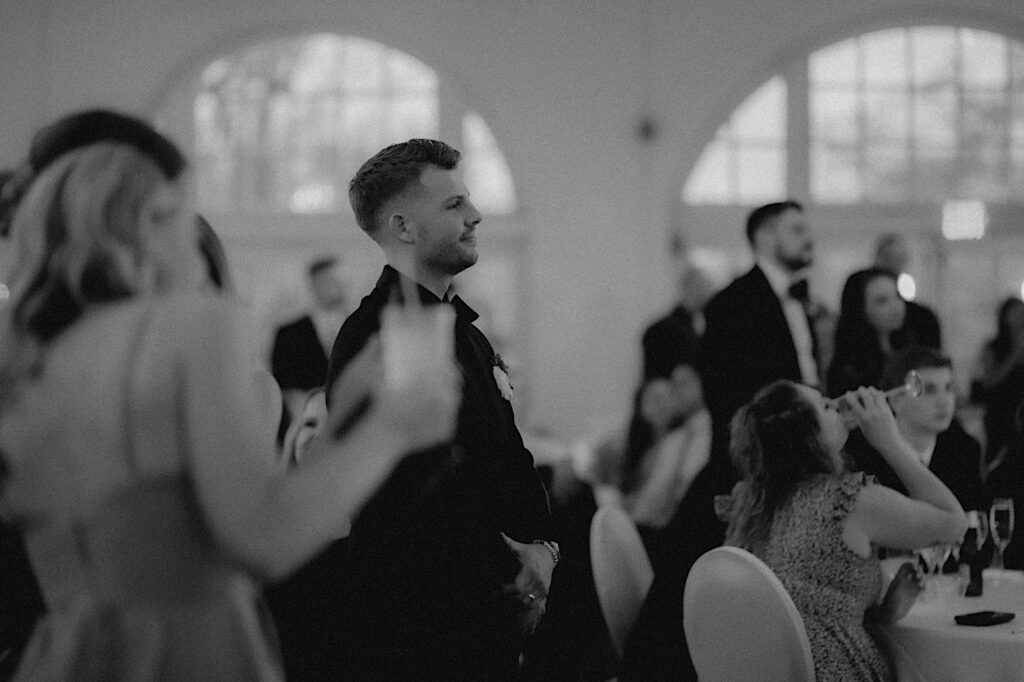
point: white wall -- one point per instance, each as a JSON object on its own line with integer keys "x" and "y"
{"x": 563, "y": 85}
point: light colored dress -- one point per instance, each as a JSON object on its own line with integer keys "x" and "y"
{"x": 97, "y": 450}
{"x": 830, "y": 584}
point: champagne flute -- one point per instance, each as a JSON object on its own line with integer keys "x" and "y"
{"x": 911, "y": 386}
{"x": 980, "y": 524}
{"x": 1001, "y": 526}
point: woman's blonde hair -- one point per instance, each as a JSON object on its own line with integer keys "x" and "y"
{"x": 75, "y": 243}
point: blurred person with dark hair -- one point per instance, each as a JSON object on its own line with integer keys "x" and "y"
{"x": 925, "y": 422}
{"x": 920, "y": 324}
{"x": 998, "y": 381}
{"x": 301, "y": 347}
{"x": 673, "y": 340}
{"x": 869, "y": 329}
{"x": 758, "y": 329}
{"x": 137, "y": 461}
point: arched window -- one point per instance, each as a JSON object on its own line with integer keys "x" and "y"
{"x": 901, "y": 115}
{"x": 918, "y": 129}
{"x": 283, "y": 125}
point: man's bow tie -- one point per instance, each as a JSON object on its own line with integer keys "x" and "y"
{"x": 798, "y": 290}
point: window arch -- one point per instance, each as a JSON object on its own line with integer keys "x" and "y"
{"x": 282, "y": 126}
{"x": 911, "y": 114}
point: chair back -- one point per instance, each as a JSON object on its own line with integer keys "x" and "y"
{"x": 740, "y": 622}
{"x": 622, "y": 571}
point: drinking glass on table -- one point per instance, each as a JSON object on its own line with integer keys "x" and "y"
{"x": 1001, "y": 526}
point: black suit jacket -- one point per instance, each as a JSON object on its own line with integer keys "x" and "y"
{"x": 746, "y": 345}
{"x": 298, "y": 360}
{"x": 669, "y": 342}
{"x": 417, "y": 587}
{"x": 956, "y": 462}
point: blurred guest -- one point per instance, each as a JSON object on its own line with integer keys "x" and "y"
{"x": 921, "y": 324}
{"x": 924, "y": 422}
{"x": 871, "y": 315}
{"x": 998, "y": 382}
{"x": 818, "y": 528}
{"x": 758, "y": 329}
{"x": 301, "y": 347}
{"x": 136, "y": 459}
{"x": 665, "y": 447}
{"x": 673, "y": 339}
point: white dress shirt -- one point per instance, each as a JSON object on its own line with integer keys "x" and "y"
{"x": 796, "y": 318}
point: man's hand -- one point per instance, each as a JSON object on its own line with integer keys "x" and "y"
{"x": 530, "y": 588}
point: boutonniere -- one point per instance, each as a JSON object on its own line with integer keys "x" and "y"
{"x": 501, "y": 378}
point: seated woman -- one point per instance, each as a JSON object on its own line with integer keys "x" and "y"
{"x": 649, "y": 468}
{"x": 819, "y": 528}
{"x": 135, "y": 454}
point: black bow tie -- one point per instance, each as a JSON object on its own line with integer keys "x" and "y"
{"x": 798, "y": 290}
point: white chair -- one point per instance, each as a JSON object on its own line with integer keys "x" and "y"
{"x": 622, "y": 571}
{"x": 740, "y": 622}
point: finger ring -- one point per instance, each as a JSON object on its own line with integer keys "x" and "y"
{"x": 531, "y": 597}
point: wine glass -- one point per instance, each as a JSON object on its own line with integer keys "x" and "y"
{"x": 981, "y": 530}
{"x": 1001, "y": 526}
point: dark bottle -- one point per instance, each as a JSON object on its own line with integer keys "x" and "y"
{"x": 972, "y": 556}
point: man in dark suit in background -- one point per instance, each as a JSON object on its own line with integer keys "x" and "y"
{"x": 925, "y": 421}
{"x": 758, "y": 329}
{"x": 299, "y": 355}
{"x": 673, "y": 340}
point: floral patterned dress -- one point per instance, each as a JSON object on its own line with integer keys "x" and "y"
{"x": 830, "y": 585}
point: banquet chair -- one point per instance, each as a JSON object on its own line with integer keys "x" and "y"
{"x": 741, "y": 624}
{"x": 622, "y": 571}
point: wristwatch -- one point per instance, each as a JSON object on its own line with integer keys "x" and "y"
{"x": 551, "y": 546}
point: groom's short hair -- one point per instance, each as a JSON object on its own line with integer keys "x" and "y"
{"x": 908, "y": 359}
{"x": 390, "y": 171}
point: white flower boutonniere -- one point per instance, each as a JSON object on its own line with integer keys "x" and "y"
{"x": 501, "y": 378}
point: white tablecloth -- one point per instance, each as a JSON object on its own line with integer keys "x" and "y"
{"x": 928, "y": 644}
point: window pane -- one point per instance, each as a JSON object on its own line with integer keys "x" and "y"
{"x": 935, "y": 115}
{"x": 1016, "y": 178}
{"x": 709, "y": 182}
{"x": 762, "y": 174}
{"x": 486, "y": 173}
{"x": 763, "y": 115}
{"x": 834, "y": 175}
{"x": 936, "y": 173}
{"x": 1017, "y": 119}
{"x": 1017, "y": 66}
{"x": 885, "y": 57}
{"x": 933, "y": 49}
{"x": 984, "y": 58}
{"x": 834, "y": 116}
{"x": 886, "y": 115}
{"x": 834, "y": 65}
{"x": 886, "y": 173}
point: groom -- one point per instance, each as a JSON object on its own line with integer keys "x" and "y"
{"x": 448, "y": 567}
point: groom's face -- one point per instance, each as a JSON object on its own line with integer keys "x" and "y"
{"x": 794, "y": 241}
{"x": 442, "y": 220}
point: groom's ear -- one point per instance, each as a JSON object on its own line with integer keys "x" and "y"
{"x": 400, "y": 228}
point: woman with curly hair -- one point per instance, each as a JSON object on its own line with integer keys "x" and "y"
{"x": 819, "y": 528}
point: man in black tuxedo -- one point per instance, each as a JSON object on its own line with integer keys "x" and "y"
{"x": 446, "y": 569}
{"x": 926, "y": 422}
{"x": 758, "y": 329}
{"x": 673, "y": 340}
{"x": 299, "y": 354}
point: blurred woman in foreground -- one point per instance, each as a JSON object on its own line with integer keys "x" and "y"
{"x": 137, "y": 460}
{"x": 819, "y": 528}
